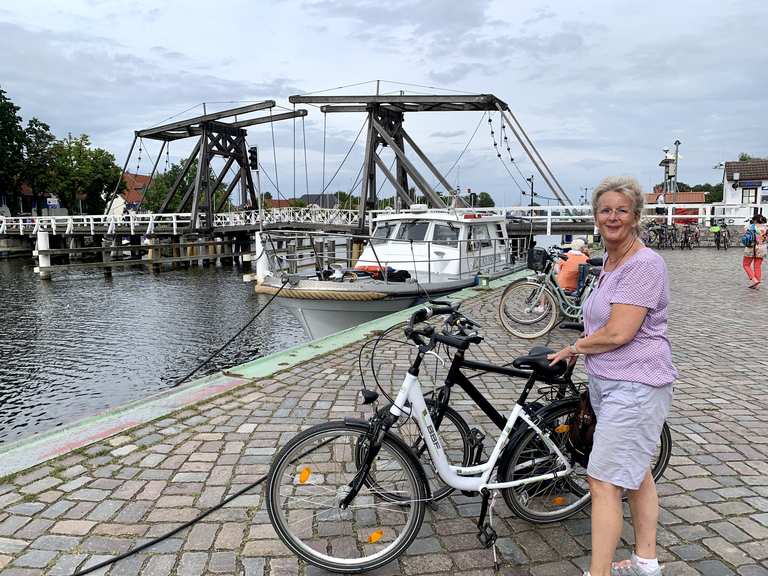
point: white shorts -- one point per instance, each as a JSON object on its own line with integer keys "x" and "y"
{"x": 630, "y": 416}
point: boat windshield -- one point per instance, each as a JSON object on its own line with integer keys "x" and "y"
{"x": 382, "y": 232}
{"x": 416, "y": 230}
{"x": 445, "y": 234}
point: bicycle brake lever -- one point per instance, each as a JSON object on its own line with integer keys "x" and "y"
{"x": 436, "y": 355}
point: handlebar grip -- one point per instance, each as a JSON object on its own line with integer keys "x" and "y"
{"x": 563, "y": 256}
{"x": 442, "y": 310}
{"x": 595, "y": 261}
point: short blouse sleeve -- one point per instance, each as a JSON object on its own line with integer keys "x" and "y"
{"x": 642, "y": 283}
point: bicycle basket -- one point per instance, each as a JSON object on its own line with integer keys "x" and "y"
{"x": 537, "y": 259}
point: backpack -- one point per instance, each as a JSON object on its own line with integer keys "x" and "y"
{"x": 581, "y": 431}
{"x": 749, "y": 238}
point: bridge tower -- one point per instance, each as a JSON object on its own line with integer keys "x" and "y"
{"x": 215, "y": 137}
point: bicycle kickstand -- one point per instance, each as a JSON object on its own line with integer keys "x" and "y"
{"x": 487, "y": 535}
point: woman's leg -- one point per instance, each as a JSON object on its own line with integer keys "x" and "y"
{"x": 758, "y": 264}
{"x": 607, "y": 521}
{"x": 644, "y": 504}
{"x": 746, "y": 263}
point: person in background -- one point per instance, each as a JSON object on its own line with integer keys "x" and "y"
{"x": 568, "y": 270}
{"x": 753, "y": 255}
{"x": 628, "y": 360}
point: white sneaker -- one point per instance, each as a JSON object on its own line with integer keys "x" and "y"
{"x": 539, "y": 309}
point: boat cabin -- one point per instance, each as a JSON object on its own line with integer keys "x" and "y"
{"x": 434, "y": 245}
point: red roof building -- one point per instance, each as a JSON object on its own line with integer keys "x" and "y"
{"x": 134, "y": 187}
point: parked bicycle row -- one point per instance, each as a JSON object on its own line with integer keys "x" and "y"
{"x": 660, "y": 235}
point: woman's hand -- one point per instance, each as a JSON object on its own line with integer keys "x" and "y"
{"x": 564, "y": 354}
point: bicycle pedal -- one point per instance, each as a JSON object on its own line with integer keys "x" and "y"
{"x": 487, "y": 536}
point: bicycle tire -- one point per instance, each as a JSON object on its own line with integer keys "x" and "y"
{"x": 557, "y": 498}
{"x": 306, "y": 476}
{"x": 580, "y": 486}
{"x": 453, "y": 439}
{"x": 517, "y": 310}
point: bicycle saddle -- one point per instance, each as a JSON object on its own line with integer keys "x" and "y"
{"x": 536, "y": 361}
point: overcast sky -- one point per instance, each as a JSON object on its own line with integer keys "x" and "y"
{"x": 601, "y": 87}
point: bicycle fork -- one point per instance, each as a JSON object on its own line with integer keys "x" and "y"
{"x": 376, "y": 432}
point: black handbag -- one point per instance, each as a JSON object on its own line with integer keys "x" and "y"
{"x": 581, "y": 431}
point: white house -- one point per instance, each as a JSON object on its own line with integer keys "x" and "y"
{"x": 745, "y": 183}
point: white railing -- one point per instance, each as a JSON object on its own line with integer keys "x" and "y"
{"x": 142, "y": 224}
{"x": 148, "y": 223}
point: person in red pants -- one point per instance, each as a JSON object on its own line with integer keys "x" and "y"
{"x": 753, "y": 255}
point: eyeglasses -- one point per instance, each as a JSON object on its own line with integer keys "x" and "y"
{"x": 618, "y": 212}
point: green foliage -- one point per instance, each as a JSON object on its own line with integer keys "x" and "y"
{"x": 11, "y": 150}
{"x": 744, "y": 157}
{"x": 485, "y": 201}
{"x": 82, "y": 176}
{"x": 38, "y": 170}
{"x": 163, "y": 183}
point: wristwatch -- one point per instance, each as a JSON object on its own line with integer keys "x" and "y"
{"x": 573, "y": 349}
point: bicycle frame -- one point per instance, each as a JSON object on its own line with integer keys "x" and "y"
{"x": 466, "y": 477}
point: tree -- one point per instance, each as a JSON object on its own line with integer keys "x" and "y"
{"x": 485, "y": 200}
{"x": 83, "y": 177}
{"x": 162, "y": 184}
{"x": 11, "y": 151}
{"x": 744, "y": 157}
{"x": 37, "y": 171}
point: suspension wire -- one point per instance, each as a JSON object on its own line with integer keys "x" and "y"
{"x": 294, "y": 154}
{"x": 264, "y": 171}
{"x": 429, "y": 87}
{"x": 179, "y": 114}
{"x": 338, "y": 87}
{"x": 498, "y": 155}
{"x": 509, "y": 150}
{"x": 306, "y": 166}
{"x": 325, "y": 118}
{"x": 138, "y": 160}
{"x": 458, "y": 158}
{"x": 274, "y": 153}
{"x": 346, "y": 155}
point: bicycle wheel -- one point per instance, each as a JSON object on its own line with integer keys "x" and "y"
{"x": 310, "y": 477}
{"x": 552, "y": 499}
{"x": 528, "y": 310}
{"x": 454, "y": 437}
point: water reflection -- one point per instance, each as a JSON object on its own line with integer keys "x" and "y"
{"x": 80, "y": 343}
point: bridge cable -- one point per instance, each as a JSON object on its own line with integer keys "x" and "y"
{"x": 458, "y": 158}
{"x": 274, "y": 151}
{"x": 346, "y": 155}
{"x": 306, "y": 166}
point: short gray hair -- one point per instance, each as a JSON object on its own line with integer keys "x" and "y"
{"x": 626, "y": 185}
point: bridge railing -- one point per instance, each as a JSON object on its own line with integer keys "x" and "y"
{"x": 146, "y": 224}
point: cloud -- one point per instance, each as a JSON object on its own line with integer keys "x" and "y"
{"x": 448, "y": 134}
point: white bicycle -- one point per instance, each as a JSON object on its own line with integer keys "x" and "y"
{"x": 350, "y": 496}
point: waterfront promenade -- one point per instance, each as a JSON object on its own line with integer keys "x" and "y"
{"x": 104, "y": 499}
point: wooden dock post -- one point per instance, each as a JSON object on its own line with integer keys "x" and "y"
{"x": 43, "y": 260}
{"x": 106, "y": 255}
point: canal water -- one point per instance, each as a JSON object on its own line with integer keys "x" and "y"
{"x": 79, "y": 344}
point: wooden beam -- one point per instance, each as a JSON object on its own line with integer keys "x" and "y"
{"x": 478, "y": 101}
{"x": 149, "y": 132}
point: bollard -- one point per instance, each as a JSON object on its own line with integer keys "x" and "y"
{"x": 293, "y": 265}
{"x": 43, "y": 260}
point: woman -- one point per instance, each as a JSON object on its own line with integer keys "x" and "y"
{"x": 568, "y": 270}
{"x": 753, "y": 255}
{"x": 629, "y": 362}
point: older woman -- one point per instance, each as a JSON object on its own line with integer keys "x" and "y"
{"x": 629, "y": 362}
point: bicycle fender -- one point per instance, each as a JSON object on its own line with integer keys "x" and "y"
{"x": 518, "y": 434}
{"x": 365, "y": 425}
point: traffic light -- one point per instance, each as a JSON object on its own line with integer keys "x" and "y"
{"x": 253, "y": 157}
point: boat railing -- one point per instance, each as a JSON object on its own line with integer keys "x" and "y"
{"x": 291, "y": 251}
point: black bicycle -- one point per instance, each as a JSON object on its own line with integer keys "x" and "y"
{"x": 557, "y": 400}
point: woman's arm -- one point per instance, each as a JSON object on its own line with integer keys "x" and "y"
{"x": 621, "y": 328}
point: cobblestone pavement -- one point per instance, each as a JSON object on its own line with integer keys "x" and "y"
{"x": 103, "y": 500}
